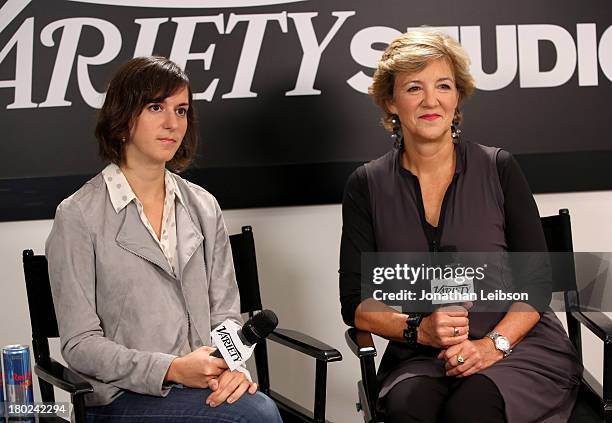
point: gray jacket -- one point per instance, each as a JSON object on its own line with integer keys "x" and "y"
{"x": 122, "y": 315}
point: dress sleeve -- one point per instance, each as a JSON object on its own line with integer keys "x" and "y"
{"x": 524, "y": 233}
{"x": 72, "y": 273}
{"x": 357, "y": 237}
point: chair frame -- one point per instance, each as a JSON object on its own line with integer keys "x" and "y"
{"x": 245, "y": 263}
{"x": 51, "y": 373}
{"x": 597, "y": 397}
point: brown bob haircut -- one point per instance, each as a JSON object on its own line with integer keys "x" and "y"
{"x": 138, "y": 82}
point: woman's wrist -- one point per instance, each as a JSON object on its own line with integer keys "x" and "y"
{"x": 172, "y": 373}
{"x": 420, "y": 338}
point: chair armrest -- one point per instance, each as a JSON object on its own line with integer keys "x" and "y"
{"x": 601, "y": 325}
{"x": 62, "y": 377}
{"x": 360, "y": 342}
{"x": 305, "y": 344}
{"x": 597, "y": 322}
{"x": 362, "y": 345}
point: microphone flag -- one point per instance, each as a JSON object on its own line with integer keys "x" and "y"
{"x": 225, "y": 337}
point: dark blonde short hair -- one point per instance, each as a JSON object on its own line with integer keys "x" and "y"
{"x": 138, "y": 82}
{"x": 411, "y": 52}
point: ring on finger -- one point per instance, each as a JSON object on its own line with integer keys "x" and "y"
{"x": 455, "y": 331}
{"x": 460, "y": 359}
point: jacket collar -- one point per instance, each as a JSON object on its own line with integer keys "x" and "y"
{"x": 135, "y": 238}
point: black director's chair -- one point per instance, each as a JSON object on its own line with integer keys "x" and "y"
{"x": 52, "y": 373}
{"x": 594, "y": 403}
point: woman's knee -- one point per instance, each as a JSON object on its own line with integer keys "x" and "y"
{"x": 262, "y": 409}
{"x": 416, "y": 399}
{"x": 476, "y": 399}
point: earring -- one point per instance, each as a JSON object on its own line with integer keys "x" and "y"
{"x": 455, "y": 131}
{"x": 123, "y": 140}
{"x": 397, "y": 135}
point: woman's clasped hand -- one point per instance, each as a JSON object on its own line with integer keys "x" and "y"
{"x": 469, "y": 357}
{"x": 445, "y": 327}
{"x": 200, "y": 369}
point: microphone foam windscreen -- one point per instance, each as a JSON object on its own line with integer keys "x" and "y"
{"x": 259, "y": 326}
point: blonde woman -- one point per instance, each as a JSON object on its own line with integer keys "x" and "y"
{"x": 433, "y": 192}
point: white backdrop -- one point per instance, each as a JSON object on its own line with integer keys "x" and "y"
{"x": 297, "y": 250}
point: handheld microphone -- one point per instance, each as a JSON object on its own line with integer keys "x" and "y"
{"x": 234, "y": 344}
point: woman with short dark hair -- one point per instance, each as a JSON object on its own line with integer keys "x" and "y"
{"x": 140, "y": 81}
{"x": 141, "y": 268}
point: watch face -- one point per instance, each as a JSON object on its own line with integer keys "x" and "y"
{"x": 502, "y": 343}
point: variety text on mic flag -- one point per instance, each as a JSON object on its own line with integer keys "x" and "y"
{"x": 452, "y": 290}
{"x": 225, "y": 338}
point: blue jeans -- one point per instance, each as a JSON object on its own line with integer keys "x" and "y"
{"x": 185, "y": 405}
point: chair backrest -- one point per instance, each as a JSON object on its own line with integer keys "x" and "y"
{"x": 558, "y": 234}
{"x": 40, "y": 302}
{"x": 245, "y": 265}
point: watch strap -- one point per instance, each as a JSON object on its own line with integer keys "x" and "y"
{"x": 410, "y": 332}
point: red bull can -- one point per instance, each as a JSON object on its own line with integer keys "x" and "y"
{"x": 17, "y": 374}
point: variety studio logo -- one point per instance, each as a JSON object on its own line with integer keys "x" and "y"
{"x": 517, "y": 49}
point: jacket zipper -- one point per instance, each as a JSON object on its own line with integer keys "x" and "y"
{"x": 182, "y": 293}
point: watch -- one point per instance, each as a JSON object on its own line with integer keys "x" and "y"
{"x": 412, "y": 323}
{"x": 501, "y": 342}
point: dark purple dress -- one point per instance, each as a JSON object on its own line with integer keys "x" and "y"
{"x": 488, "y": 207}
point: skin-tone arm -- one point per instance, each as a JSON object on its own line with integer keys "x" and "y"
{"x": 199, "y": 369}
{"x": 229, "y": 386}
{"x": 436, "y": 330}
{"x": 517, "y": 322}
{"x": 481, "y": 353}
{"x": 195, "y": 369}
